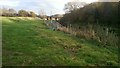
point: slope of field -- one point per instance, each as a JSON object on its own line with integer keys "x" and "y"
{"x": 28, "y": 42}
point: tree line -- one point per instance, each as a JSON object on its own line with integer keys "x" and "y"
{"x": 99, "y": 21}
{"x": 103, "y": 13}
{"x": 13, "y": 13}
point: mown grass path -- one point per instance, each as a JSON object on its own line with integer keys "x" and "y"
{"x": 28, "y": 42}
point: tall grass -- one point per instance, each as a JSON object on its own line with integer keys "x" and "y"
{"x": 104, "y": 35}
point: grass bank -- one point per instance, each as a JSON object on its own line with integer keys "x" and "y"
{"x": 28, "y": 42}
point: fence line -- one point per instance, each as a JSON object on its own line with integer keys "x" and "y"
{"x": 97, "y": 32}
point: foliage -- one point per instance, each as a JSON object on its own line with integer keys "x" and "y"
{"x": 13, "y": 13}
{"x": 32, "y": 14}
{"x": 102, "y": 13}
{"x": 8, "y": 12}
{"x": 23, "y": 13}
{"x": 102, "y": 16}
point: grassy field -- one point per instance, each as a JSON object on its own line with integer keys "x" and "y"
{"x": 28, "y": 42}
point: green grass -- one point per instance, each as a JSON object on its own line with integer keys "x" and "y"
{"x": 28, "y": 42}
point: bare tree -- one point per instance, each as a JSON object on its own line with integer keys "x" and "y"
{"x": 71, "y": 6}
{"x": 42, "y": 13}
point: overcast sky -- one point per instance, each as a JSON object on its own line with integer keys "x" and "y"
{"x": 49, "y": 6}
